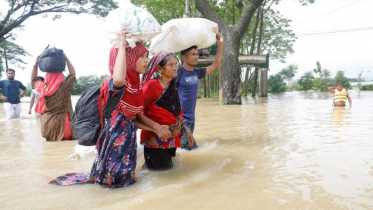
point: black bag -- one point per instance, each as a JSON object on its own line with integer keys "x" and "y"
{"x": 52, "y": 60}
{"x": 86, "y": 117}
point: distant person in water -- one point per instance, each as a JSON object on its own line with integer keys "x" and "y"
{"x": 34, "y": 97}
{"x": 340, "y": 95}
{"x": 54, "y": 102}
{"x": 11, "y": 96}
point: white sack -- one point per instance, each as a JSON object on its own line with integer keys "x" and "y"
{"x": 180, "y": 34}
{"x": 139, "y": 22}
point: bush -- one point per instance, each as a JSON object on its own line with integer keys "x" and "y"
{"x": 367, "y": 88}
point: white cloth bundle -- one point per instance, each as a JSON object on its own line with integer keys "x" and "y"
{"x": 139, "y": 22}
{"x": 180, "y": 34}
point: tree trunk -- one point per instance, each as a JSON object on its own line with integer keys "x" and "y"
{"x": 258, "y": 51}
{"x": 210, "y": 94}
{"x": 231, "y": 74}
{"x": 5, "y": 55}
{"x": 204, "y": 88}
{"x": 253, "y": 40}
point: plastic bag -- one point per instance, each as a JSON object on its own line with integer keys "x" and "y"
{"x": 139, "y": 22}
{"x": 180, "y": 34}
{"x": 81, "y": 151}
{"x": 52, "y": 60}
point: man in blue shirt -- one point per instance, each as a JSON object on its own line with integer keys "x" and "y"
{"x": 11, "y": 95}
{"x": 187, "y": 86}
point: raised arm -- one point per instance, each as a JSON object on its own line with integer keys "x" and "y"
{"x": 219, "y": 56}
{"x": 331, "y": 89}
{"x": 70, "y": 66}
{"x": 34, "y": 72}
{"x": 120, "y": 67}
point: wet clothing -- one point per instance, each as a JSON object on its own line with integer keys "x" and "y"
{"x": 158, "y": 159}
{"x": 184, "y": 139}
{"x": 153, "y": 92}
{"x": 55, "y": 121}
{"x": 13, "y": 111}
{"x": 115, "y": 162}
{"x": 10, "y": 89}
{"x": 162, "y": 105}
{"x": 188, "y": 89}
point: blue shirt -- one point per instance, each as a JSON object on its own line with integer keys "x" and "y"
{"x": 11, "y": 90}
{"x": 188, "y": 89}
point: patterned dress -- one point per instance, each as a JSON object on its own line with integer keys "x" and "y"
{"x": 58, "y": 106}
{"x": 115, "y": 163}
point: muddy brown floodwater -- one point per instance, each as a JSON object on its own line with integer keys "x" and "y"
{"x": 287, "y": 151}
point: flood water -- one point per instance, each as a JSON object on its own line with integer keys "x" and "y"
{"x": 287, "y": 151}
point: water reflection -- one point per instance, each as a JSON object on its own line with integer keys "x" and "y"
{"x": 339, "y": 116}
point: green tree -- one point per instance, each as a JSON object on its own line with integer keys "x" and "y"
{"x": 277, "y": 39}
{"x": 289, "y": 72}
{"x": 341, "y": 79}
{"x": 14, "y": 54}
{"x": 19, "y": 11}
{"x": 305, "y": 83}
{"x": 85, "y": 82}
{"x": 276, "y": 84}
{"x": 322, "y": 82}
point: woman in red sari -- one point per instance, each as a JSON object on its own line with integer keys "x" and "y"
{"x": 162, "y": 105}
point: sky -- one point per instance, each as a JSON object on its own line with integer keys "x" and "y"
{"x": 84, "y": 39}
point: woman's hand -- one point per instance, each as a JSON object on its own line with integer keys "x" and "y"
{"x": 162, "y": 132}
{"x": 190, "y": 137}
{"x": 122, "y": 37}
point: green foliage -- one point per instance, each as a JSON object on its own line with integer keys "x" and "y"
{"x": 305, "y": 83}
{"x": 322, "y": 82}
{"x": 276, "y": 84}
{"x": 367, "y": 88}
{"x": 14, "y": 53}
{"x": 289, "y": 72}
{"x": 164, "y": 11}
{"x": 278, "y": 38}
{"x": 85, "y": 82}
{"x": 341, "y": 79}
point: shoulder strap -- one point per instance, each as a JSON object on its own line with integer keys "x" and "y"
{"x": 179, "y": 73}
{"x": 112, "y": 102}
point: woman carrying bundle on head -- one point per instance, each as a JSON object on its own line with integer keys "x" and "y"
{"x": 115, "y": 163}
{"x": 54, "y": 102}
{"x": 162, "y": 105}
